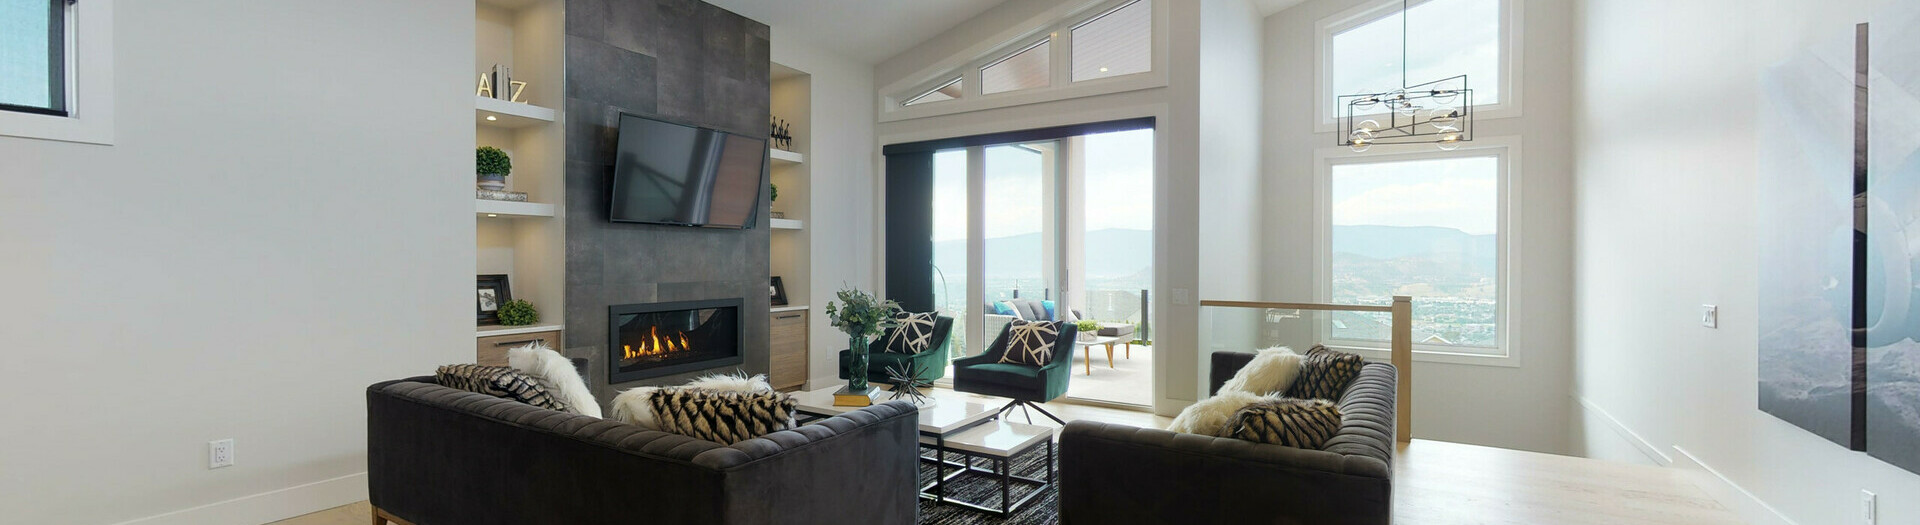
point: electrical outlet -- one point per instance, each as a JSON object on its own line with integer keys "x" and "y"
{"x": 1869, "y": 508}
{"x": 1709, "y": 316}
{"x": 220, "y": 453}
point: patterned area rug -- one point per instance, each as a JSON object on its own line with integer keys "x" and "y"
{"x": 984, "y": 489}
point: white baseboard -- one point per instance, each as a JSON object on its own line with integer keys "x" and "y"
{"x": 1735, "y": 497}
{"x": 268, "y": 506}
{"x": 1638, "y": 442}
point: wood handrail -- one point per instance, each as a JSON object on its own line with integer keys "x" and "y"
{"x": 1401, "y": 347}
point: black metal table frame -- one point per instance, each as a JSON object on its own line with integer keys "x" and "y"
{"x": 936, "y": 490}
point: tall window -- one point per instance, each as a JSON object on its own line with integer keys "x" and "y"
{"x": 1429, "y": 227}
{"x": 33, "y": 50}
{"x": 1027, "y": 69}
{"x": 1119, "y": 42}
{"x": 1444, "y": 39}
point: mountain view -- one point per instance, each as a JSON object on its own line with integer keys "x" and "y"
{"x": 1451, "y": 275}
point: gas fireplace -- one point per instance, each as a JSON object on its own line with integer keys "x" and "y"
{"x": 657, "y": 339}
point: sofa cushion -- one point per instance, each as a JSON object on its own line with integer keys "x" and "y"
{"x": 998, "y": 374}
{"x": 1298, "y": 423}
{"x": 1031, "y": 342}
{"x": 912, "y": 334}
{"x": 1324, "y": 374}
{"x": 1115, "y": 329}
{"x": 721, "y": 417}
{"x": 1031, "y": 309}
{"x": 497, "y": 381}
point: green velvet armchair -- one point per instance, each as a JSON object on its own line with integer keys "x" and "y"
{"x": 1027, "y": 385}
{"x": 932, "y": 363}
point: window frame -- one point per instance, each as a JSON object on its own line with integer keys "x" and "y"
{"x": 1511, "y": 35}
{"x": 89, "y": 84}
{"x": 1507, "y": 267}
{"x": 1056, "y": 25}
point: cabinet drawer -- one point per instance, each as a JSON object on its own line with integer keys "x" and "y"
{"x": 492, "y": 350}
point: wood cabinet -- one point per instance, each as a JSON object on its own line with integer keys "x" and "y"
{"x": 492, "y": 350}
{"x": 788, "y": 339}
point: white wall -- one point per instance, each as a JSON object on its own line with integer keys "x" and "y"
{"x": 284, "y": 220}
{"x": 1231, "y": 230}
{"x": 1667, "y": 222}
{"x": 1522, "y": 407}
{"x": 841, "y": 160}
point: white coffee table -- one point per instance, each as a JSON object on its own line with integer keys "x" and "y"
{"x": 958, "y": 423}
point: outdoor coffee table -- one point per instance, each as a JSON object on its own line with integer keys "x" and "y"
{"x": 1088, "y": 344}
{"x": 960, "y": 423}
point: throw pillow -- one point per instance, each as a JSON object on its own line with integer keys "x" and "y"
{"x": 1005, "y": 308}
{"x": 635, "y": 406}
{"x": 1211, "y": 415}
{"x": 1325, "y": 374}
{"x": 556, "y": 374}
{"x": 1030, "y": 342}
{"x": 497, "y": 381}
{"x": 1298, "y": 423}
{"x": 913, "y": 334}
{"x": 721, "y": 417}
{"x": 1270, "y": 372}
{"x": 1031, "y": 310}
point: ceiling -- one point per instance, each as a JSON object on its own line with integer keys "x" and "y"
{"x": 865, "y": 30}
{"x": 1269, "y": 7}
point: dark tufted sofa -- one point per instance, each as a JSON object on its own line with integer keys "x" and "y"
{"x": 437, "y": 455}
{"x": 1122, "y": 474}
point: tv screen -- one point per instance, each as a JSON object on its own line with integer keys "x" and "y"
{"x": 666, "y": 173}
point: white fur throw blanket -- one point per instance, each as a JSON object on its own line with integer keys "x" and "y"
{"x": 1265, "y": 378}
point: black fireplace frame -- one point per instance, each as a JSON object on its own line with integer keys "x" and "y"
{"x": 615, "y": 376}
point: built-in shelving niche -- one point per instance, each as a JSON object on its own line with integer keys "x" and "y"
{"x": 524, "y": 240}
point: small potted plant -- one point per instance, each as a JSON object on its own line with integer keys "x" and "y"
{"x": 1088, "y": 328}
{"x": 492, "y": 166}
{"x": 861, "y": 316}
{"x": 518, "y": 312}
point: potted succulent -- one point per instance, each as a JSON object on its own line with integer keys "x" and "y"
{"x": 518, "y": 312}
{"x": 491, "y": 167}
{"x": 861, "y": 316}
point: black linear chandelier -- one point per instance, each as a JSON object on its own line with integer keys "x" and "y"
{"x": 1438, "y": 112}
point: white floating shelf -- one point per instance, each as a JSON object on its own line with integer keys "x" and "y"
{"x": 510, "y": 210}
{"x": 490, "y": 331}
{"x": 789, "y": 308}
{"x": 780, "y": 156}
{"x": 788, "y": 224}
{"x": 509, "y": 114}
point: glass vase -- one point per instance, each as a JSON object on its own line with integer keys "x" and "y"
{"x": 857, "y": 370}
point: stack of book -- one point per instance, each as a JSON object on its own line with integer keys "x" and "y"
{"x": 846, "y": 397}
{"x": 502, "y": 195}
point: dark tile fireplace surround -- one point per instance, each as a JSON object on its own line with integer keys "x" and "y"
{"x": 682, "y": 61}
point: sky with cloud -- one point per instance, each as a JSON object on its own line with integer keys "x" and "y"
{"x": 1460, "y": 193}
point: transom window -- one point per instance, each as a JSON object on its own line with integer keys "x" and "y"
{"x": 1429, "y": 226}
{"x": 33, "y": 50}
{"x": 1104, "y": 41}
{"x": 1363, "y": 49}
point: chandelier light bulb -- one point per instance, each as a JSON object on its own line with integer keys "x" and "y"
{"x": 1368, "y": 126}
{"x": 1406, "y": 108}
{"x": 1449, "y": 141}
{"x": 1445, "y": 96}
{"x": 1360, "y": 140}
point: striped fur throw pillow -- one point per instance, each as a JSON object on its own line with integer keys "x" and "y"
{"x": 1298, "y": 423}
{"x": 721, "y": 417}
{"x": 1325, "y": 374}
{"x": 498, "y": 381}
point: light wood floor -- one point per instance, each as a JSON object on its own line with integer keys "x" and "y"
{"x": 1440, "y": 483}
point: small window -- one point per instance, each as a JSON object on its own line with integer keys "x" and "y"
{"x": 1427, "y": 228}
{"x": 33, "y": 64}
{"x": 1119, "y": 42}
{"x": 1026, "y": 69}
{"x": 1445, "y": 38}
{"x": 949, "y": 91}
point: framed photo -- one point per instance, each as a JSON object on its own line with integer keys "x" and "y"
{"x": 778, "y": 291}
{"x": 492, "y": 290}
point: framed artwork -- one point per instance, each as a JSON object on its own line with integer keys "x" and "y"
{"x": 778, "y": 291}
{"x": 492, "y": 290}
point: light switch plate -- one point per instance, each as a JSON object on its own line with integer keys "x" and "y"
{"x": 1709, "y": 316}
{"x": 1870, "y": 507}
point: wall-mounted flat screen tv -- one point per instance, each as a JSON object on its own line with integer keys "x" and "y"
{"x": 666, "y": 173}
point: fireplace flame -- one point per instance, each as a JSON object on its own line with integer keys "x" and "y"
{"x": 653, "y": 344}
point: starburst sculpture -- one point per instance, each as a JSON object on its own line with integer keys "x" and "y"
{"x": 907, "y": 382}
